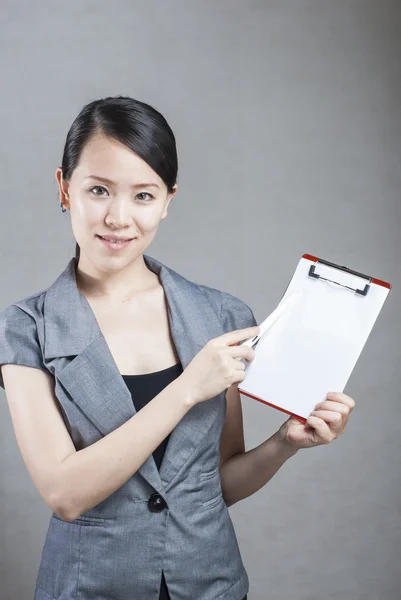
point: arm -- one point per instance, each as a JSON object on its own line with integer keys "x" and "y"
{"x": 72, "y": 482}
{"x": 244, "y": 473}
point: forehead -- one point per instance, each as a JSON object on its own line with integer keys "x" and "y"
{"x": 107, "y": 157}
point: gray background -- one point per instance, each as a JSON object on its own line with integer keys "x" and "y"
{"x": 287, "y": 118}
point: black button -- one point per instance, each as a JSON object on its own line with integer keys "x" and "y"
{"x": 156, "y": 503}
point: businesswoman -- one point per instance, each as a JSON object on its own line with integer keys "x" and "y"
{"x": 121, "y": 378}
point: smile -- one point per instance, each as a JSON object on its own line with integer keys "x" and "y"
{"x": 114, "y": 245}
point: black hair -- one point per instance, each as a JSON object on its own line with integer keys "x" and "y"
{"x": 135, "y": 124}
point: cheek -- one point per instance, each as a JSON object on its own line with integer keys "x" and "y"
{"x": 85, "y": 216}
{"x": 148, "y": 220}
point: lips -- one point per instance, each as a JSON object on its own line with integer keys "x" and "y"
{"x": 115, "y": 238}
{"x": 114, "y": 246}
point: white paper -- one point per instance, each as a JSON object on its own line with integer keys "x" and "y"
{"x": 313, "y": 347}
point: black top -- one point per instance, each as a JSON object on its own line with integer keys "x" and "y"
{"x": 143, "y": 388}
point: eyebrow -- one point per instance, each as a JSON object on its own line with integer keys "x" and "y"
{"x": 136, "y": 185}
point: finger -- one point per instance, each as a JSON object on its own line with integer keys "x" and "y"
{"x": 344, "y": 409}
{"x": 335, "y": 419}
{"x": 233, "y": 337}
{"x": 242, "y": 352}
{"x": 321, "y": 428}
{"x": 340, "y": 397}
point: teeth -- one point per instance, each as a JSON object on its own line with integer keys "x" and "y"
{"x": 115, "y": 241}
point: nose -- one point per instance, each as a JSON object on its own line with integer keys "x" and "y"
{"x": 119, "y": 213}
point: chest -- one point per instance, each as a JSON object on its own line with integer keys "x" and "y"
{"x": 138, "y": 333}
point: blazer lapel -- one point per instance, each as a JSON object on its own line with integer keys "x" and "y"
{"x": 92, "y": 378}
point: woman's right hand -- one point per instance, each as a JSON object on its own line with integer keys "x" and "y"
{"x": 215, "y": 367}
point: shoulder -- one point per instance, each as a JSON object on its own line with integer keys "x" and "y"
{"x": 232, "y": 311}
{"x": 21, "y": 333}
{"x": 29, "y": 310}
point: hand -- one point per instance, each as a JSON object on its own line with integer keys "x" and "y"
{"x": 324, "y": 424}
{"x": 215, "y": 368}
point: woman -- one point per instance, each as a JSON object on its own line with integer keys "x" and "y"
{"x": 121, "y": 378}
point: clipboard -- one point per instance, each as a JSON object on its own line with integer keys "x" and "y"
{"x": 312, "y": 348}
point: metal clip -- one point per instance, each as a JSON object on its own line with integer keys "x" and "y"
{"x": 341, "y": 268}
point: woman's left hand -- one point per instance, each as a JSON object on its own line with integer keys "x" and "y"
{"x": 324, "y": 424}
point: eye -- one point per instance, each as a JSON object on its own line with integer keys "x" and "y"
{"x": 97, "y": 187}
{"x": 146, "y": 194}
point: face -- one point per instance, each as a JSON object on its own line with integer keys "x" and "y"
{"x": 131, "y": 203}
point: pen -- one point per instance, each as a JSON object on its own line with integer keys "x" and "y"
{"x": 271, "y": 319}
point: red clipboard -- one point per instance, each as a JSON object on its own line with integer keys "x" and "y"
{"x": 314, "y": 346}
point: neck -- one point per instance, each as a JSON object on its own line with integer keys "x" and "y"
{"x": 119, "y": 285}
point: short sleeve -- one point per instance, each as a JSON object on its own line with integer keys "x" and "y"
{"x": 235, "y": 314}
{"x": 19, "y": 343}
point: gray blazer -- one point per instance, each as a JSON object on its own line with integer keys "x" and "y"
{"x": 117, "y": 549}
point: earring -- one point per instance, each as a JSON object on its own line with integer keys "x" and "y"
{"x": 61, "y": 204}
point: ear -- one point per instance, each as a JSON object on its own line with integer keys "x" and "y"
{"x": 63, "y": 187}
{"x": 169, "y": 198}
